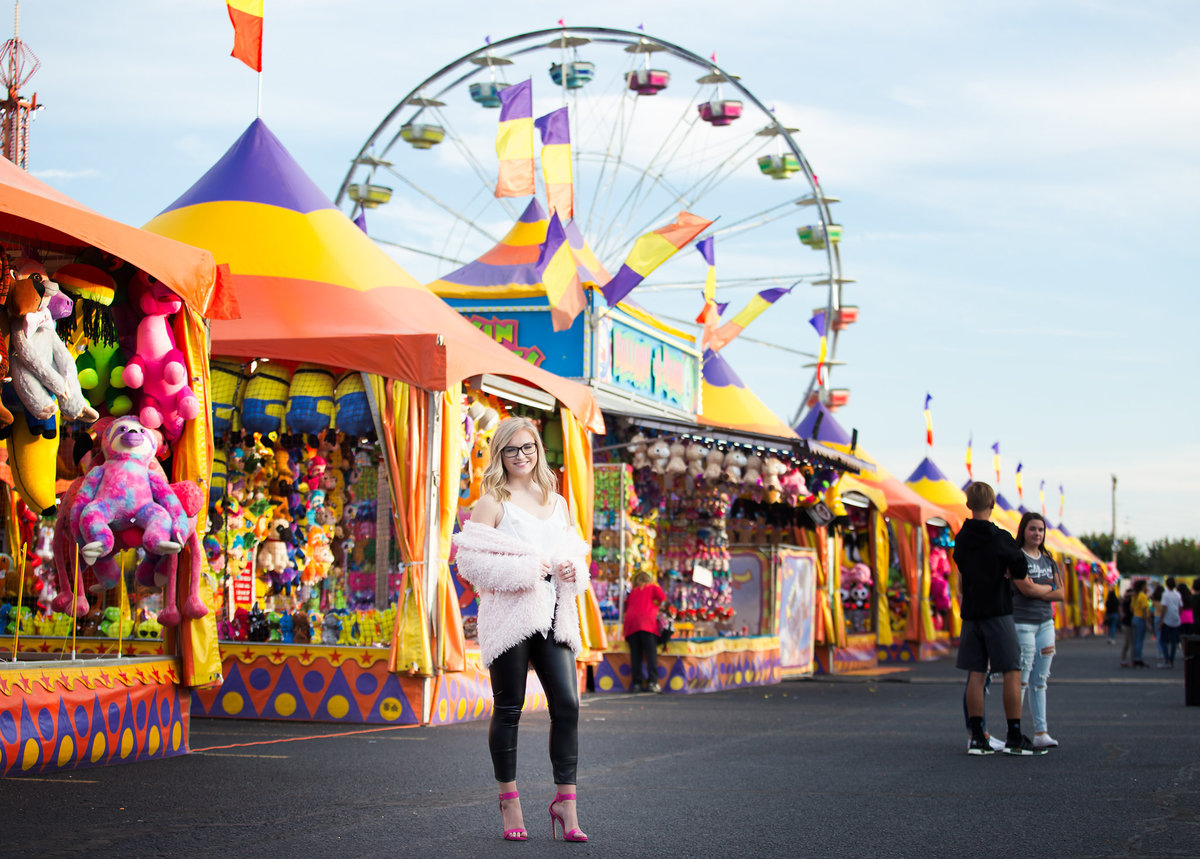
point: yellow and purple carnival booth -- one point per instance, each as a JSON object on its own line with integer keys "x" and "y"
{"x": 887, "y": 534}
{"x": 685, "y": 441}
{"x": 74, "y": 690}
{"x": 348, "y": 389}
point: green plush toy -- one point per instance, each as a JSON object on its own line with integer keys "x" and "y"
{"x": 100, "y": 371}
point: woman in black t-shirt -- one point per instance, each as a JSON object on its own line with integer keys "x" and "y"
{"x": 1034, "y": 619}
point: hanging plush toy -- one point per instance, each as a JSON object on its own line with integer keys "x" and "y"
{"x": 158, "y": 368}
{"x": 266, "y": 398}
{"x": 310, "y": 401}
{"x": 101, "y": 369}
{"x": 353, "y": 408}
{"x": 93, "y": 290}
{"x": 124, "y": 489}
{"x": 220, "y": 476}
{"x": 43, "y": 371}
{"x": 228, "y": 388}
{"x": 164, "y": 571}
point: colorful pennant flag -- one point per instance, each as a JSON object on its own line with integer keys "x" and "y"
{"x": 1042, "y": 497}
{"x": 1062, "y": 500}
{"x": 514, "y": 141}
{"x": 649, "y": 252}
{"x": 818, "y": 324}
{"x": 928, "y": 422}
{"x": 996, "y": 463}
{"x": 560, "y": 276}
{"x": 710, "y": 316}
{"x": 555, "y": 128}
{"x": 970, "y": 471}
{"x": 1020, "y": 488}
{"x": 753, "y": 309}
{"x": 247, "y": 19}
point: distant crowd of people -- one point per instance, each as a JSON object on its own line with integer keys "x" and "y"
{"x": 1165, "y": 613}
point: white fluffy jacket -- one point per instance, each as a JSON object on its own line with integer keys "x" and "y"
{"x": 504, "y": 570}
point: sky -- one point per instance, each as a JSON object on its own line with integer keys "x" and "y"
{"x": 1018, "y": 185}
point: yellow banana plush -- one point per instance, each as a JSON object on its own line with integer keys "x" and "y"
{"x": 33, "y": 460}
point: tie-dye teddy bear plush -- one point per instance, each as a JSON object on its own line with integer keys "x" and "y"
{"x": 126, "y": 488}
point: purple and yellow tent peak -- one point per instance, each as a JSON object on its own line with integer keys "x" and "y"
{"x": 931, "y": 483}
{"x": 510, "y": 269}
{"x": 256, "y": 169}
{"x": 727, "y": 402}
{"x": 830, "y": 431}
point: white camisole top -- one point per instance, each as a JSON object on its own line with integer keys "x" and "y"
{"x": 547, "y": 534}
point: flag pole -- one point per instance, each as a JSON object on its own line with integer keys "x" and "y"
{"x": 258, "y": 109}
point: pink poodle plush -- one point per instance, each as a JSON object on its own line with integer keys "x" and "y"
{"x": 158, "y": 367}
{"x": 128, "y": 488}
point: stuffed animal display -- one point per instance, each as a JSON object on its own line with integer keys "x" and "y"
{"x": 158, "y": 368}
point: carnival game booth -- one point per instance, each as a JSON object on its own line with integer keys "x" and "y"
{"x": 1082, "y": 608}
{"x": 342, "y": 415}
{"x": 129, "y": 352}
{"x": 931, "y": 483}
{"x": 648, "y": 380}
{"x": 889, "y": 525}
{"x": 727, "y": 511}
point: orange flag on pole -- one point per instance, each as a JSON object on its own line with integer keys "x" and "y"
{"x": 247, "y": 19}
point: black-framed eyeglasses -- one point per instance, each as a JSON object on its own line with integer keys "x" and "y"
{"x": 511, "y": 451}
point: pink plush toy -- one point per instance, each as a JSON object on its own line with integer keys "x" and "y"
{"x": 128, "y": 488}
{"x": 164, "y": 571}
{"x": 158, "y": 367}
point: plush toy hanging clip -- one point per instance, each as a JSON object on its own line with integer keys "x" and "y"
{"x": 158, "y": 367}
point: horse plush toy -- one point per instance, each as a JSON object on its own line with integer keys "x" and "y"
{"x": 126, "y": 490}
{"x": 158, "y": 368}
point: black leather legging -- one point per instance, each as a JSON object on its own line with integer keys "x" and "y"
{"x": 554, "y": 664}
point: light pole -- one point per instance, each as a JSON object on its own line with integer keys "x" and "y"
{"x": 1114, "y": 521}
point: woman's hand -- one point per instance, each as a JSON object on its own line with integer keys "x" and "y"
{"x": 566, "y": 571}
{"x": 547, "y": 569}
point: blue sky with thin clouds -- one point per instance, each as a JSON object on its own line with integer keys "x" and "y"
{"x": 1019, "y": 186}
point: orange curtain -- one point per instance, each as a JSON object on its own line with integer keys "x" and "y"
{"x": 200, "y": 655}
{"x": 579, "y": 489}
{"x": 402, "y": 415}
{"x": 451, "y": 642}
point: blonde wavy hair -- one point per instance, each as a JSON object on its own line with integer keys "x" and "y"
{"x": 495, "y": 477}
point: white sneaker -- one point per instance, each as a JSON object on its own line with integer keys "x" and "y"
{"x": 1044, "y": 741}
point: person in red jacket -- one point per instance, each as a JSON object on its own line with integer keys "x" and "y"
{"x": 641, "y": 631}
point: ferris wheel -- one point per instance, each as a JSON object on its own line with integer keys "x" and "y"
{"x": 655, "y": 129}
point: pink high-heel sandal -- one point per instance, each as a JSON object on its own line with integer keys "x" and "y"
{"x": 556, "y": 820}
{"x": 512, "y": 834}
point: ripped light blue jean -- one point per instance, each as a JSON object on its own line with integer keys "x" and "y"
{"x": 1037, "y": 652}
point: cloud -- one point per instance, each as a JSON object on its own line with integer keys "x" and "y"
{"x": 53, "y": 175}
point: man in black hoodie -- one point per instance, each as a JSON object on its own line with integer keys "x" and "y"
{"x": 990, "y": 564}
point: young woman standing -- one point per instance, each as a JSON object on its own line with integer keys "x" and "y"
{"x": 528, "y": 564}
{"x": 1034, "y": 619}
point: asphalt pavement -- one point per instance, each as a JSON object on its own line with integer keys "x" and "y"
{"x": 844, "y": 766}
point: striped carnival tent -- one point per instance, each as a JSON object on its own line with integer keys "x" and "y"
{"x": 727, "y": 402}
{"x": 313, "y": 287}
{"x": 510, "y": 269}
{"x": 931, "y": 483}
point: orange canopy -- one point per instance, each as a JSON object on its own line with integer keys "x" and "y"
{"x": 32, "y": 210}
{"x": 312, "y": 286}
